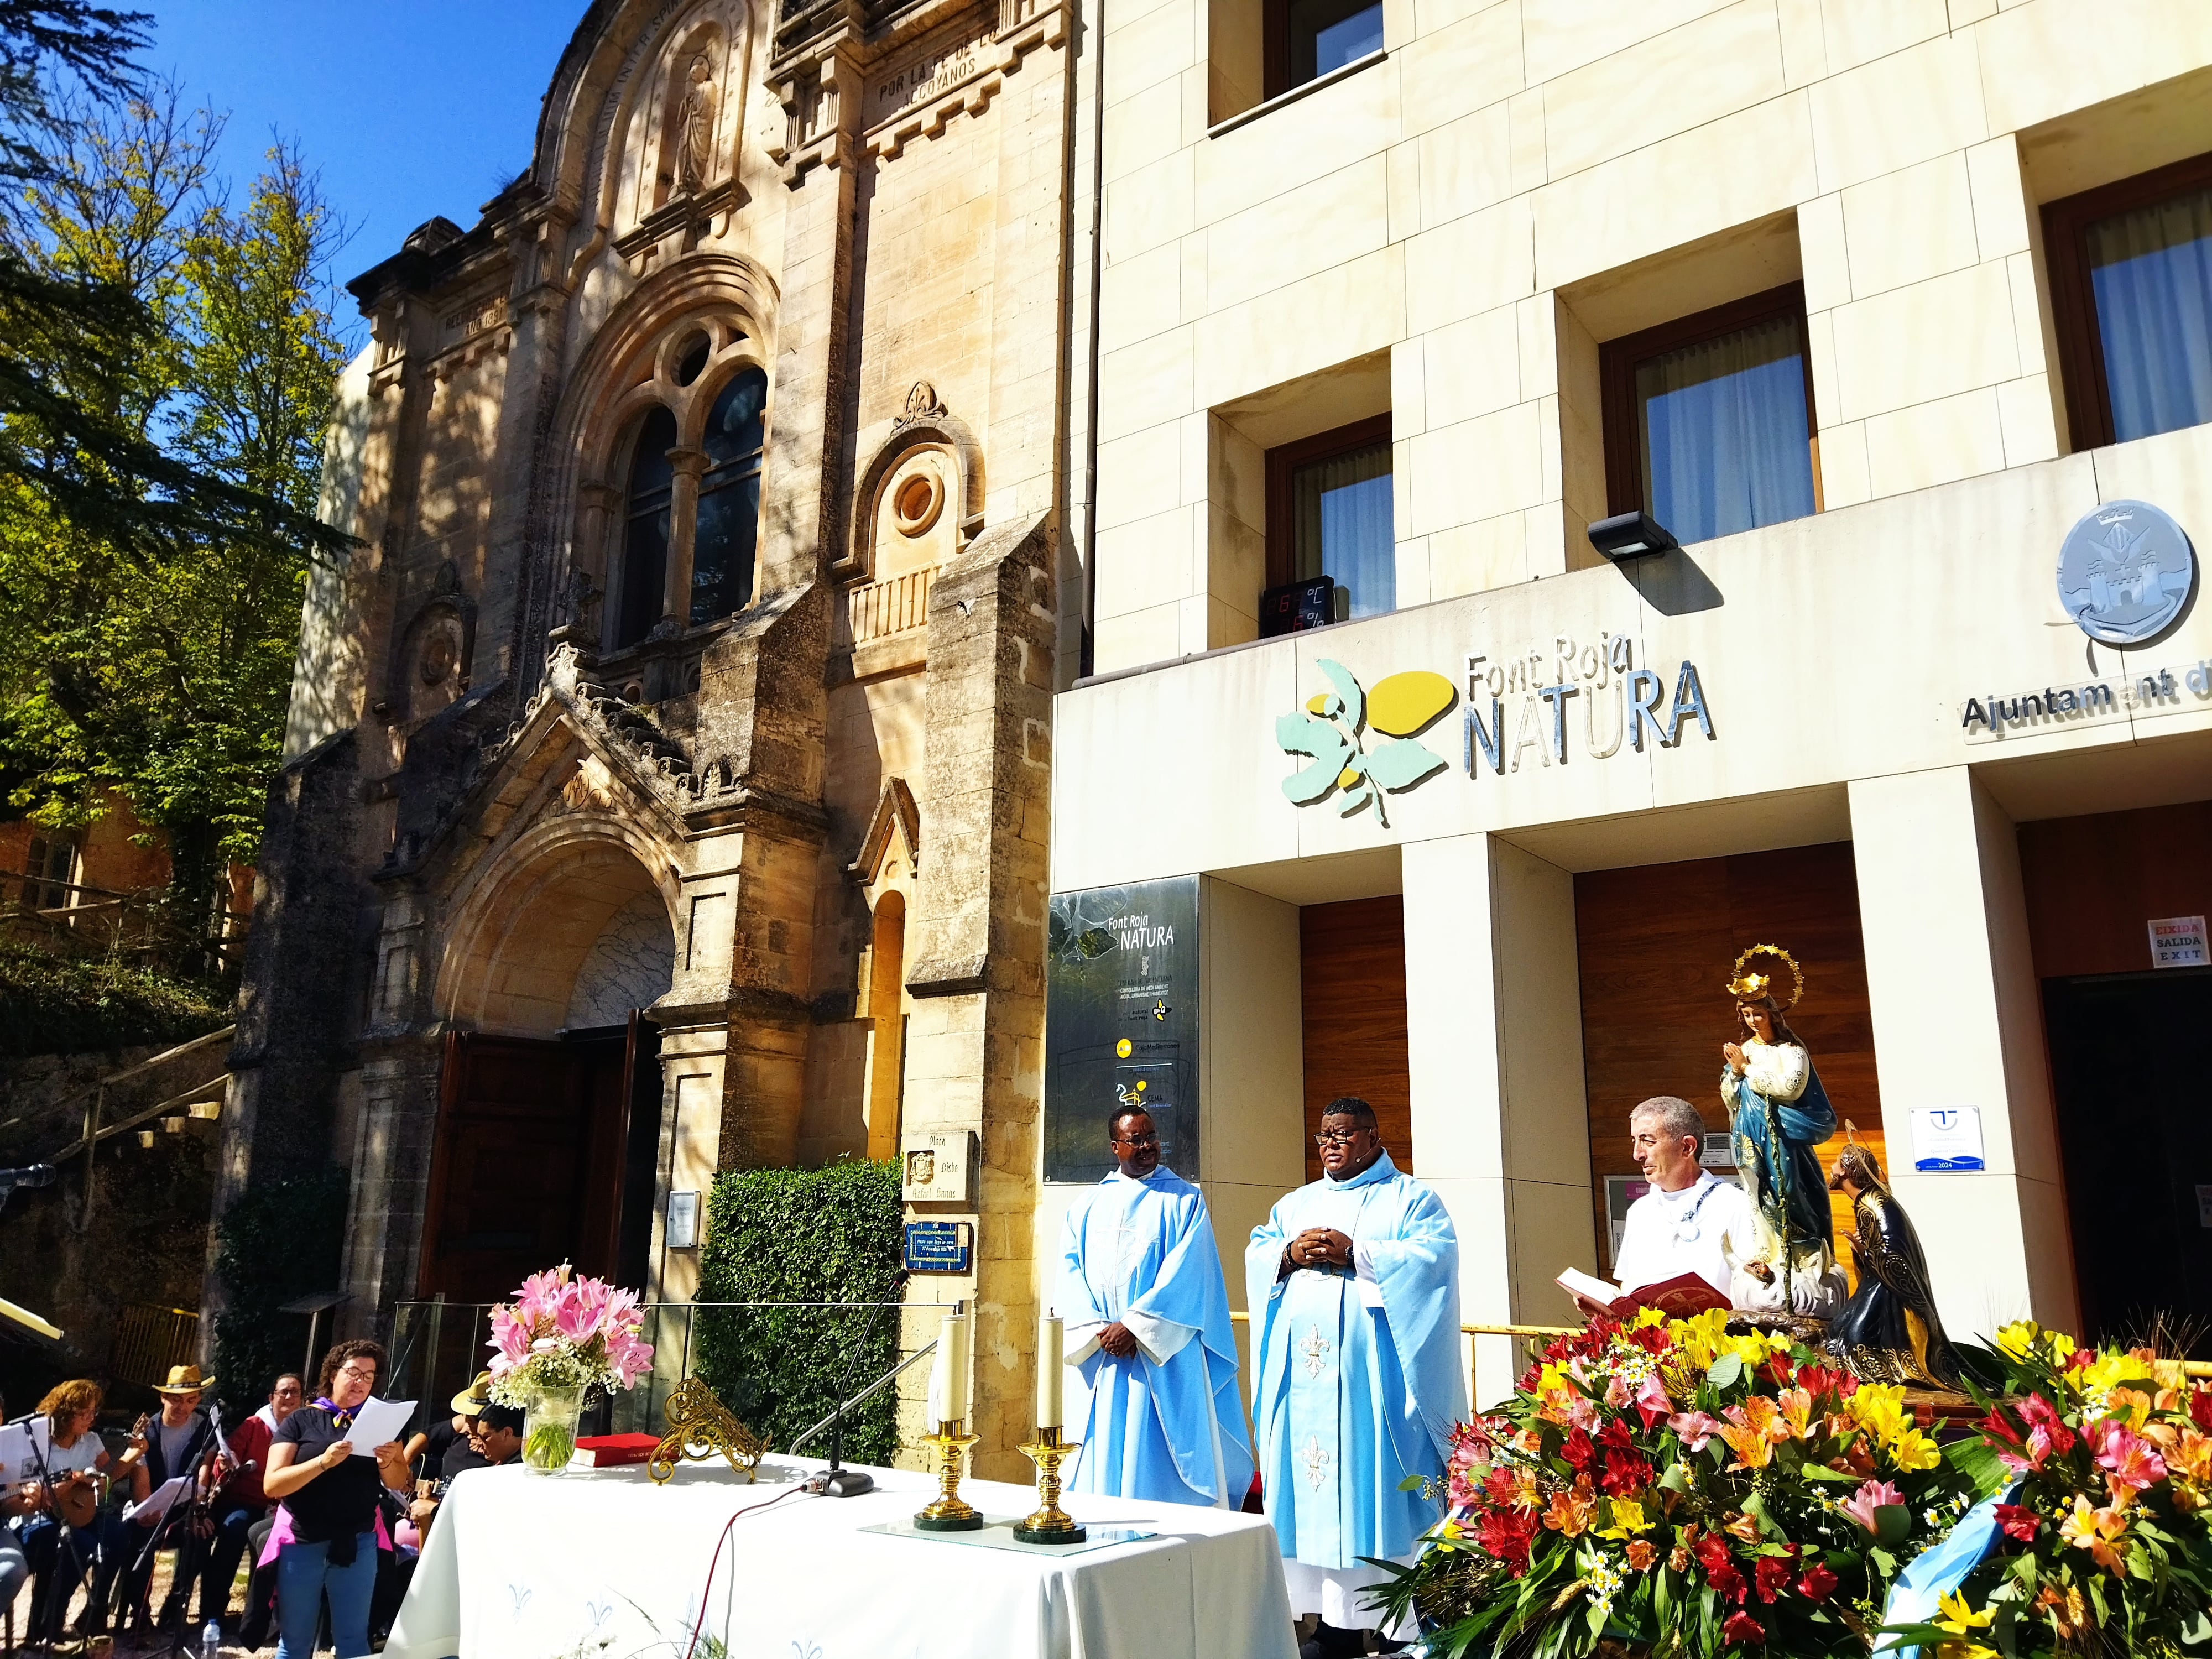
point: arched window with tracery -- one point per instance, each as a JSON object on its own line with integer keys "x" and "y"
{"x": 688, "y": 529}
{"x": 729, "y": 499}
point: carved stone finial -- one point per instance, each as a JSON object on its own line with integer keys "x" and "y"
{"x": 923, "y": 402}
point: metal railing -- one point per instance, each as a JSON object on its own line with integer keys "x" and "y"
{"x": 149, "y": 1340}
{"x": 438, "y": 1347}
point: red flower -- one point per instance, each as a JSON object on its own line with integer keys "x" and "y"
{"x": 1818, "y": 1584}
{"x": 1615, "y": 1434}
{"x": 2200, "y": 1409}
{"x": 1506, "y": 1534}
{"x": 2019, "y": 1521}
{"x": 1579, "y": 1451}
{"x": 1729, "y": 1581}
{"x": 1741, "y": 1627}
{"x": 2080, "y": 1359}
{"x": 1997, "y": 1427}
{"x": 1772, "y": 1573}
{"x": 1712, "y": 1552}
{"x": 1777, "y": 1370}
{"x": 1625, "y": 1473}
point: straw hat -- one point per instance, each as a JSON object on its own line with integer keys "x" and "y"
{"x": 185, "y": 1379}
{"x": 471, "y": 1400}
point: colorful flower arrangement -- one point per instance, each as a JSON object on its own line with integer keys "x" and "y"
{"x": 566, "y": 1332}
{"x": 2103, "y": 1540}
{"x": 1661, "y": 1484}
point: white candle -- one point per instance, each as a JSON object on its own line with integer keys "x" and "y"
{"x": 1050, "y": 1364}
{"x": 948, "y": 1382}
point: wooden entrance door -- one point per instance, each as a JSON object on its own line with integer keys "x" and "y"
{"x": 526, "y": 1171}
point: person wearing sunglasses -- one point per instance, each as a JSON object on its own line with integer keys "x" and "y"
{"x": 1353, "y": 1284}
{"x": 1147, "y": 1310}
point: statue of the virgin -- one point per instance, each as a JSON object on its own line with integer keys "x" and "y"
{"x": 1778, "y": 1112}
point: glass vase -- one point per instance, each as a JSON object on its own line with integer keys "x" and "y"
{"x": 549, "y": 1430}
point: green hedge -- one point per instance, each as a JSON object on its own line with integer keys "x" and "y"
{"x": 276, "y": 1243}
{"x": 829, "y": 1235}
{"x": 52, "y": 1005}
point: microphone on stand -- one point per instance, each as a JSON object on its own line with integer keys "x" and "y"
{"x": 839, "y": 1481}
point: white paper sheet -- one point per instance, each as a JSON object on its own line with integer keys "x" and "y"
{"x": 22, "y": 1446}
{"x": 377, "y": 1421}
{"x": 158, "y": 1501}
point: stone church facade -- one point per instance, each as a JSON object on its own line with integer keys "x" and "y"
{"x": 666, "y": 783}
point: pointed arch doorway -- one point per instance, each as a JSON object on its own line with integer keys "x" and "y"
{"x": 547, "y": 1138}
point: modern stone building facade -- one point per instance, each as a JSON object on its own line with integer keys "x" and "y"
{"x": 1865, "y": 301}
{"x": 696, "y": 658}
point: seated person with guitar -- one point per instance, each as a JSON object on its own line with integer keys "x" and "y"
{"x": 66, "y": 1533}
{"x": 182, "y": 1440}
{"x": 494, "y": 1436}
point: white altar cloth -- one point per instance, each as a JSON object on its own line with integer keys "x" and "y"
{"x": 600, "y": 1565}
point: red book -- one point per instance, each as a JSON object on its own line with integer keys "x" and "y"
{"x": 1678, "y": 1297}
{"x": 610, "y": 1451}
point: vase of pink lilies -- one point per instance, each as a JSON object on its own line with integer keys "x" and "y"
{"x": 564, "y": 1338}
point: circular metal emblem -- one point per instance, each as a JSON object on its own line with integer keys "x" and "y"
{"x": 2125, "y": 571}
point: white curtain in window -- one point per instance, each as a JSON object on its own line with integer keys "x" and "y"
{"x": 1341, "y": 527}
{"x": 2151, "y": 270}
{"x": 1725, "y": 443}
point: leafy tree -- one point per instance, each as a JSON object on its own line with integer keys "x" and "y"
{"x": 154, "y": 533}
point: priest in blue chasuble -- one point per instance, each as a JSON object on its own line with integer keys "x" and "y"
{"x": 1354, "y": 1291}
{"x": 1147, "y": 1319}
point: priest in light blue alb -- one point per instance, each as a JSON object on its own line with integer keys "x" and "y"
{"x": 1353, "y": 1284}
{"x": 1147, "y": 1320}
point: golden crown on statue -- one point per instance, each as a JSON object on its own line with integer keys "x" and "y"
{"x": 1749, "y": 987}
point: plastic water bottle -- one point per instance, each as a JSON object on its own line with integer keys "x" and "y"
{"x": 211, "y": 1640}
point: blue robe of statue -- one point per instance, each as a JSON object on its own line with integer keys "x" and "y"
{"x": 1357, "y": 1381}
{"x": 1794, "y": 1103}
{"x": 1164, "y": 1425}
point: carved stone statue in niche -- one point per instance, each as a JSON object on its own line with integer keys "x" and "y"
{"x": 694, "y": 128}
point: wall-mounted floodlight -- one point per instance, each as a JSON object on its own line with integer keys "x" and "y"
{"x": 1631, "y": 536}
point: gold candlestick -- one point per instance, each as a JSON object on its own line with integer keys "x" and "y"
{"x": 1049, "y": 1524}
{"x": 949, "y": 1513}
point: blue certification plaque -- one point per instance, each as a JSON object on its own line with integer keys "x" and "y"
{"x": 940, "y": 1247}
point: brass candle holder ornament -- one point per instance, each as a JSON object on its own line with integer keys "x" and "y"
{"x": 951, "y": 1512}
{"x": 948, "y": 1409}
{"x": 1049, "y": 1523}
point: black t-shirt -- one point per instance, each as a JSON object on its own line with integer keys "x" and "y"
{"x": 338, "y": 1502}
{"x": 461, "y": 1457}
{"x": 440, "y": 1441}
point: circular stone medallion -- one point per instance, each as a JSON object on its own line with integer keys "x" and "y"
{"x": 2125, "y": 571}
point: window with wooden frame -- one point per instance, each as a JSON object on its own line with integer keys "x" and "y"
{"x": 1709, "y": 424}
{"x": 2131, "y": 271}
{"x": 1308, "y": 39}
{"x": 1330, "y": 513}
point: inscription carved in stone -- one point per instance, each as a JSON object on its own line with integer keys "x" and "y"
{"x": 926, "y": 77}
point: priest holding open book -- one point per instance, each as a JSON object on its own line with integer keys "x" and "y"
{"x": 1689, "y": 1227}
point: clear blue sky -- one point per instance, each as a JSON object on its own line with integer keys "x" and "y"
{"x": 411, "y": 108}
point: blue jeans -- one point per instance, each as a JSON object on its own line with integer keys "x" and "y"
{"x": 102, "y": 1549}
{"x": 304, "y": 1577}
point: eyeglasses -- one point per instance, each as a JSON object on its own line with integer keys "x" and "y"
{"x": 1151, "y": 1137}
{"x": 367, "y": 1373}
{"x": 1338, "y": 1137}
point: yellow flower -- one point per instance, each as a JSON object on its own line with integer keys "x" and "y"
{"x": 1647, "y": 1317}
{"x": 2061, "y": 1348}
{"x": 1914, "y": 1450}
{"x": 1699, "y": 1339}
{"x": 2017, "y": 1339}
{"x": 1879, "y": 1408}
{"x": 1628, "y": 1518}
{"x": 1961, "y": 1621}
